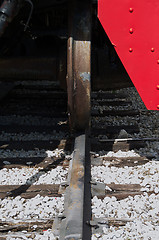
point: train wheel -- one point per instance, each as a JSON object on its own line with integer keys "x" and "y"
{"x": 79, "y": 64}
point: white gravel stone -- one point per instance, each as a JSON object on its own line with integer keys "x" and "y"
{"x": 35, "y": 176}
{"x": 55, "y": 176}
{"x": 146, "y": 175}
{"x": 142, "y": 211}
{"x": 45, "y": 235}
{"x": 38, "y": 207}
{"x": 120, "y": 153}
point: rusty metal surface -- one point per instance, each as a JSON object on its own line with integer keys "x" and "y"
{"x": 78, "y": 64}
{"x": 72, "y": 228}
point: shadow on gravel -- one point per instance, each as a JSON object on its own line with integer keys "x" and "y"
{"x": 47, "y": 164}
{"x": 23, "y": 188}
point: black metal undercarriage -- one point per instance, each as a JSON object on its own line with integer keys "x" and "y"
{"x": 63, "y": 41}
{"x": 37, "y": 49}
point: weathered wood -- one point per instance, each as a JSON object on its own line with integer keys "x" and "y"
{"x": 124, "y": 187}
{"x": 49, "y": 162}
{"x": 44, "y": 113}
{"x": 97, "y": 145}
{"x": 37, "y": 162}
{"x": 21, "y": 162}
{"x": 121, "y": 113}
{"x": 38, "y": 144}
{"x": 107, "y": 95}
{"x": 40, "y": 225}
{"x": 122, "y": 146}
{"x": 36, "y": 94}
{"x": 121, "y": 191}
{"x": 15, "y": 128}
{"x": 29, "y": 191}
{"x": 31, "y": 144}
{"x": 30, "y": 109}
{"x": 126, "y": 161}
{"x": 110, "y": 130}
{"x": 29, "y": 68}
{"x": 121, "y": 195}
{"x": 122, "y": 102}
{"x": 118, "y": 222}
{"x": 40, "y": 86}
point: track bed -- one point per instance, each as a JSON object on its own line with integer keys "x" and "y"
{"x": 120, "y": 167}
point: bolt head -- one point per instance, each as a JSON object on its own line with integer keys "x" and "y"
{"x": 152, "y": 49}
{"x": 131, "y": 10}
{"x": 131, "y": 30}
{"x": 130, "y": 49}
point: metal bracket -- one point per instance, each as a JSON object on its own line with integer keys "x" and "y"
{"x": 97, "y": 189}
{"x": 97, "y": 225}
{"x": 96, "y": 161}
{"x": 63, "y": 187}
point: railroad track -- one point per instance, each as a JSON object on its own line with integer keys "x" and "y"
{"x": 35, "y": 151}
{"x": 33, "y": 148}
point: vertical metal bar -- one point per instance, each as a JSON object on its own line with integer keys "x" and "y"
{"x": 74, "y": 219}
{"x": 79, "y": 63}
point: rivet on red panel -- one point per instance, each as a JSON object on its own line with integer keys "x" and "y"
{"x": 152, "y": 49}
{"x": 157, "y": 87}
{"x": 131, "y": 30}
{"x": 158, "y": 106}
{"x": 131, "y": 10}
{"x": 158, "y": 61}
{"x": 130, "y": 49}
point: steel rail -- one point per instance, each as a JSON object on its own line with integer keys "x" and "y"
{"x": 73, "y": 223}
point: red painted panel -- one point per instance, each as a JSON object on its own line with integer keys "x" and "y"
{"x": 133, "y": 28}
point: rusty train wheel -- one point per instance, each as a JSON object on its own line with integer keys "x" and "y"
{"x": 79, "y": 64}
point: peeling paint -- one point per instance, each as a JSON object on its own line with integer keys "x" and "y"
{"x": 85, "y": 76}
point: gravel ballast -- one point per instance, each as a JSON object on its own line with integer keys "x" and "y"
{"x": 141, "y": 212}
{"x": 38, "y": 208}
{"x": 147, "y": 121}
{"x": 30, "y": 175}
{"x": 146, "y": 175}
